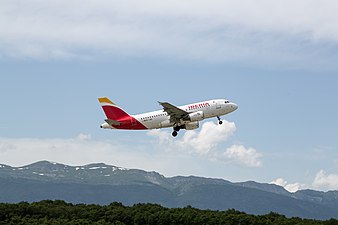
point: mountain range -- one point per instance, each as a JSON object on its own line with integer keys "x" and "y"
{"x": 102, "y": 184}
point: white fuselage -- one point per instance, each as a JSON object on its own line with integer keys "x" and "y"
{"x": 211, "y": 108}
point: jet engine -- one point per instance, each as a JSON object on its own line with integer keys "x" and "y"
{"x": 196, "y": 116}
{"x": 192, "y": 125}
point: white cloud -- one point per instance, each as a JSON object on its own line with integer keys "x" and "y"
{"x": 200, "y": 142}
{"x": 207, "y": 141}
{"x": 228, "y": 30}
{"x": 289, "y": 187}
{"x": 243, "y": 156}
{"x": 4, "y": 147}
{"x": 83, "y": 149}
{"x": 84, "y": 137}
{"x": 208, "y": 137}
{"x": 74, "y": 151}
{"x": 324, "y": 181}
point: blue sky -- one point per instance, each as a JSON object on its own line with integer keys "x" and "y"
{"x": 56, "y": 59}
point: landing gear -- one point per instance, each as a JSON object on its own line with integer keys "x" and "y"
{"x": 219, "y": 120}
{"x": 176, "y": 129}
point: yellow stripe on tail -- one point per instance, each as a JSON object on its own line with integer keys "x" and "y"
{"x": 106, "y": 100}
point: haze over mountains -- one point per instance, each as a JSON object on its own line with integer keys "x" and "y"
{"x": 102, "y": 184}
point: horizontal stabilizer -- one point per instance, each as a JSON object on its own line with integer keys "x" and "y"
{"x": 112, "y": 122}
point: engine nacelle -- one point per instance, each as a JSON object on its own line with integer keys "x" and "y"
{"x": 196, "y": 116}
{"x": 166, "y": 123}
{"x": 192, "y": 125}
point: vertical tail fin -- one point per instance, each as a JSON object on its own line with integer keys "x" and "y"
{"x": 112, "y": 111}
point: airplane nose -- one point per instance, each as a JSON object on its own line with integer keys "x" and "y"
{"x": 234, "y": 106}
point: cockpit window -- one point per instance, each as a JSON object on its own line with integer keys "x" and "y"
{"x": 226, "y": 101}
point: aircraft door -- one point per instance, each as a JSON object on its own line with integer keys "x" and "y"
{"x": 218, "y": 106}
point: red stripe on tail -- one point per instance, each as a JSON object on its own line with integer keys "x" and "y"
{"x": 114, "y": 113}
{"x": 127, "y": 122}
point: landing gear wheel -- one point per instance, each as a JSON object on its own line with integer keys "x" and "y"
{"x": 174, "y": 134}
{"x": 219, "y": 120}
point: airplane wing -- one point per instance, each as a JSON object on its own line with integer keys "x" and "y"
{"x": 174, "y": 112}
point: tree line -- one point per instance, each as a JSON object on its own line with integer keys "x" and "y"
{"x": 60, "y": 212}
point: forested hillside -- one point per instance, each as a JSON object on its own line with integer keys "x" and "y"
{"x": 102, "y": 184}
{"x": 60, "y": 212}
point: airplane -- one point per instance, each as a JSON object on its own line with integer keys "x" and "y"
{"x": 181, "y": 117}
